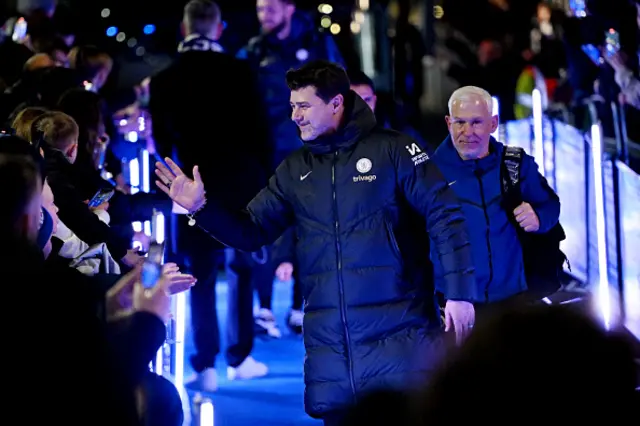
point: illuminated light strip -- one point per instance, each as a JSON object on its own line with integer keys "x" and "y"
{"x": 134, "y": 175}
{"x": 206, "y": 413}
{"x": 179, "y": 309}
{"x": 538, "y": 144}
{"x": 603, "y": 294}
{"x": 549, "y": 152}
{"x": 496, "y": 111}
{"x": 367, "y": 48}
{"x": 178, "y": 304}
{"x": 159, "y": 368}
{"x": 146, "y": 187}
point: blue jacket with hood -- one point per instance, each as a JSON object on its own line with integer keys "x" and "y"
{"x": 497, "y": 254}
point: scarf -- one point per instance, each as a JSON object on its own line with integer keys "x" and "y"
{"x": 199, "y": 43}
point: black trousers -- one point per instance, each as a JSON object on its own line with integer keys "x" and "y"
{"x": 265, "y": 291}
{"x": 264, "y": 285}
{"x": 204, "y": 265}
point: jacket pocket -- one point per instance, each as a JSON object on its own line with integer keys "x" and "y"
{"x": 392, "y": 240}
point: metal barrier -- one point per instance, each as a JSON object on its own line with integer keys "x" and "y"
{"x": 169, "y": 360}
{"x": 602, "y": 195}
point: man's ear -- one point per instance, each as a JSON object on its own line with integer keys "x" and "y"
{"x": 72, "y": 150}
{"x": 336, "y": 102}
{"x": 495, "y": 122}
{"x": 290, "y": 9}
{"x": 448, "y": 120}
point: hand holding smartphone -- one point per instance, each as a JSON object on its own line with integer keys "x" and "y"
{"x": 152, "y": 266}
{"x": 101, "y": 197}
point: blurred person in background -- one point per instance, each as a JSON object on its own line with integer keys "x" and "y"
{"x": 205, "y": 109}
{"x": 93, "y": 66}
{"x": 625, "y": 77}
{"x": 552, "y": 359}
{"x": 32, "y": 22}
{"x": 364, "y": 87}
{"x": 289, "y": 38}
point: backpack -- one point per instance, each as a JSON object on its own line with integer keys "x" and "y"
{"x": 541, "y": 254}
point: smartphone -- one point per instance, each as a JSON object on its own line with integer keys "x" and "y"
{"x": 101, "y": 197}
{"x": 19, "y": 30}
{"x": 612, "y": 42}
{"x": 152, "y": 266}
{"x": 593, "y": 53}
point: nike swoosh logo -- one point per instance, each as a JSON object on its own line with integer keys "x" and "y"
{"x": 451, "y": 183}
{"x": 303, "y": 177}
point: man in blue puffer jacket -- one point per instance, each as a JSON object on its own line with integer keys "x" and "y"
{"x": 470, "y": 160}
{"x": 358, "y": 197}
{"x": 288, "y": 40}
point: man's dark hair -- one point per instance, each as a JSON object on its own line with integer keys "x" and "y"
{"x": 328, "y": 78}
{"x": 201, "y": 15}
{"x": 359, "y": 78}
{"x": 20, "y": 176}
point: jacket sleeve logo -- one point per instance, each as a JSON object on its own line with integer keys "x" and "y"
{"x": 413, "y": 149}
{"x": 417, "y": 156}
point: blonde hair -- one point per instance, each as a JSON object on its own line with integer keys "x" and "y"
{"x": 58, "y": 129}
{"x": 24, "y": 120}
{"x": 467, "y": 92}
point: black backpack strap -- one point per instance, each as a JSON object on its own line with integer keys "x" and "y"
{"x": 510, "y": 166}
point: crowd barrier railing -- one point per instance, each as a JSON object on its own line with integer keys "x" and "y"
{"x": 600, "y": 196}
{"x": 169, "y": 361}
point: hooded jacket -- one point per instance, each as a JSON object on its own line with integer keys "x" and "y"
{"x": 358, "y": 200}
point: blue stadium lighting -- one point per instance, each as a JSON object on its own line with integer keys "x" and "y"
{"x": 149, "y": 29}
{"x": 112, "y": 31}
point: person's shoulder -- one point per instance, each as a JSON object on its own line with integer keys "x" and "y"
{"x": 397, "y": 141}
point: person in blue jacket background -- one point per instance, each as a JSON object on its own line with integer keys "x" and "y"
{"x": 470, "y": 161}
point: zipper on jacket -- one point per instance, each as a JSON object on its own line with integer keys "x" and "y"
{"x": 343, "y": 308}
{"x": 487, "y": 236}
{"x": 392, "y": 239}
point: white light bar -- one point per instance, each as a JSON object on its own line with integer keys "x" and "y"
{"x": 207, "y": 413}
{"x": 179, "y": 309}
{"x": 603, "y": 298}
{"x": 367, "y": 45}
{"x": 538, "y": 144}
{"x": 145, "y": 171}
{"x": 134, "y": 175}
{"x": 496, "y": 111}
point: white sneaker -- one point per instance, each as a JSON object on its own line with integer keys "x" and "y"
{"x": 295, "y": 320}
{"x": 207, "y": 380}
{"x": 249, "y": 369}
{"x": 266, "y": 322}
